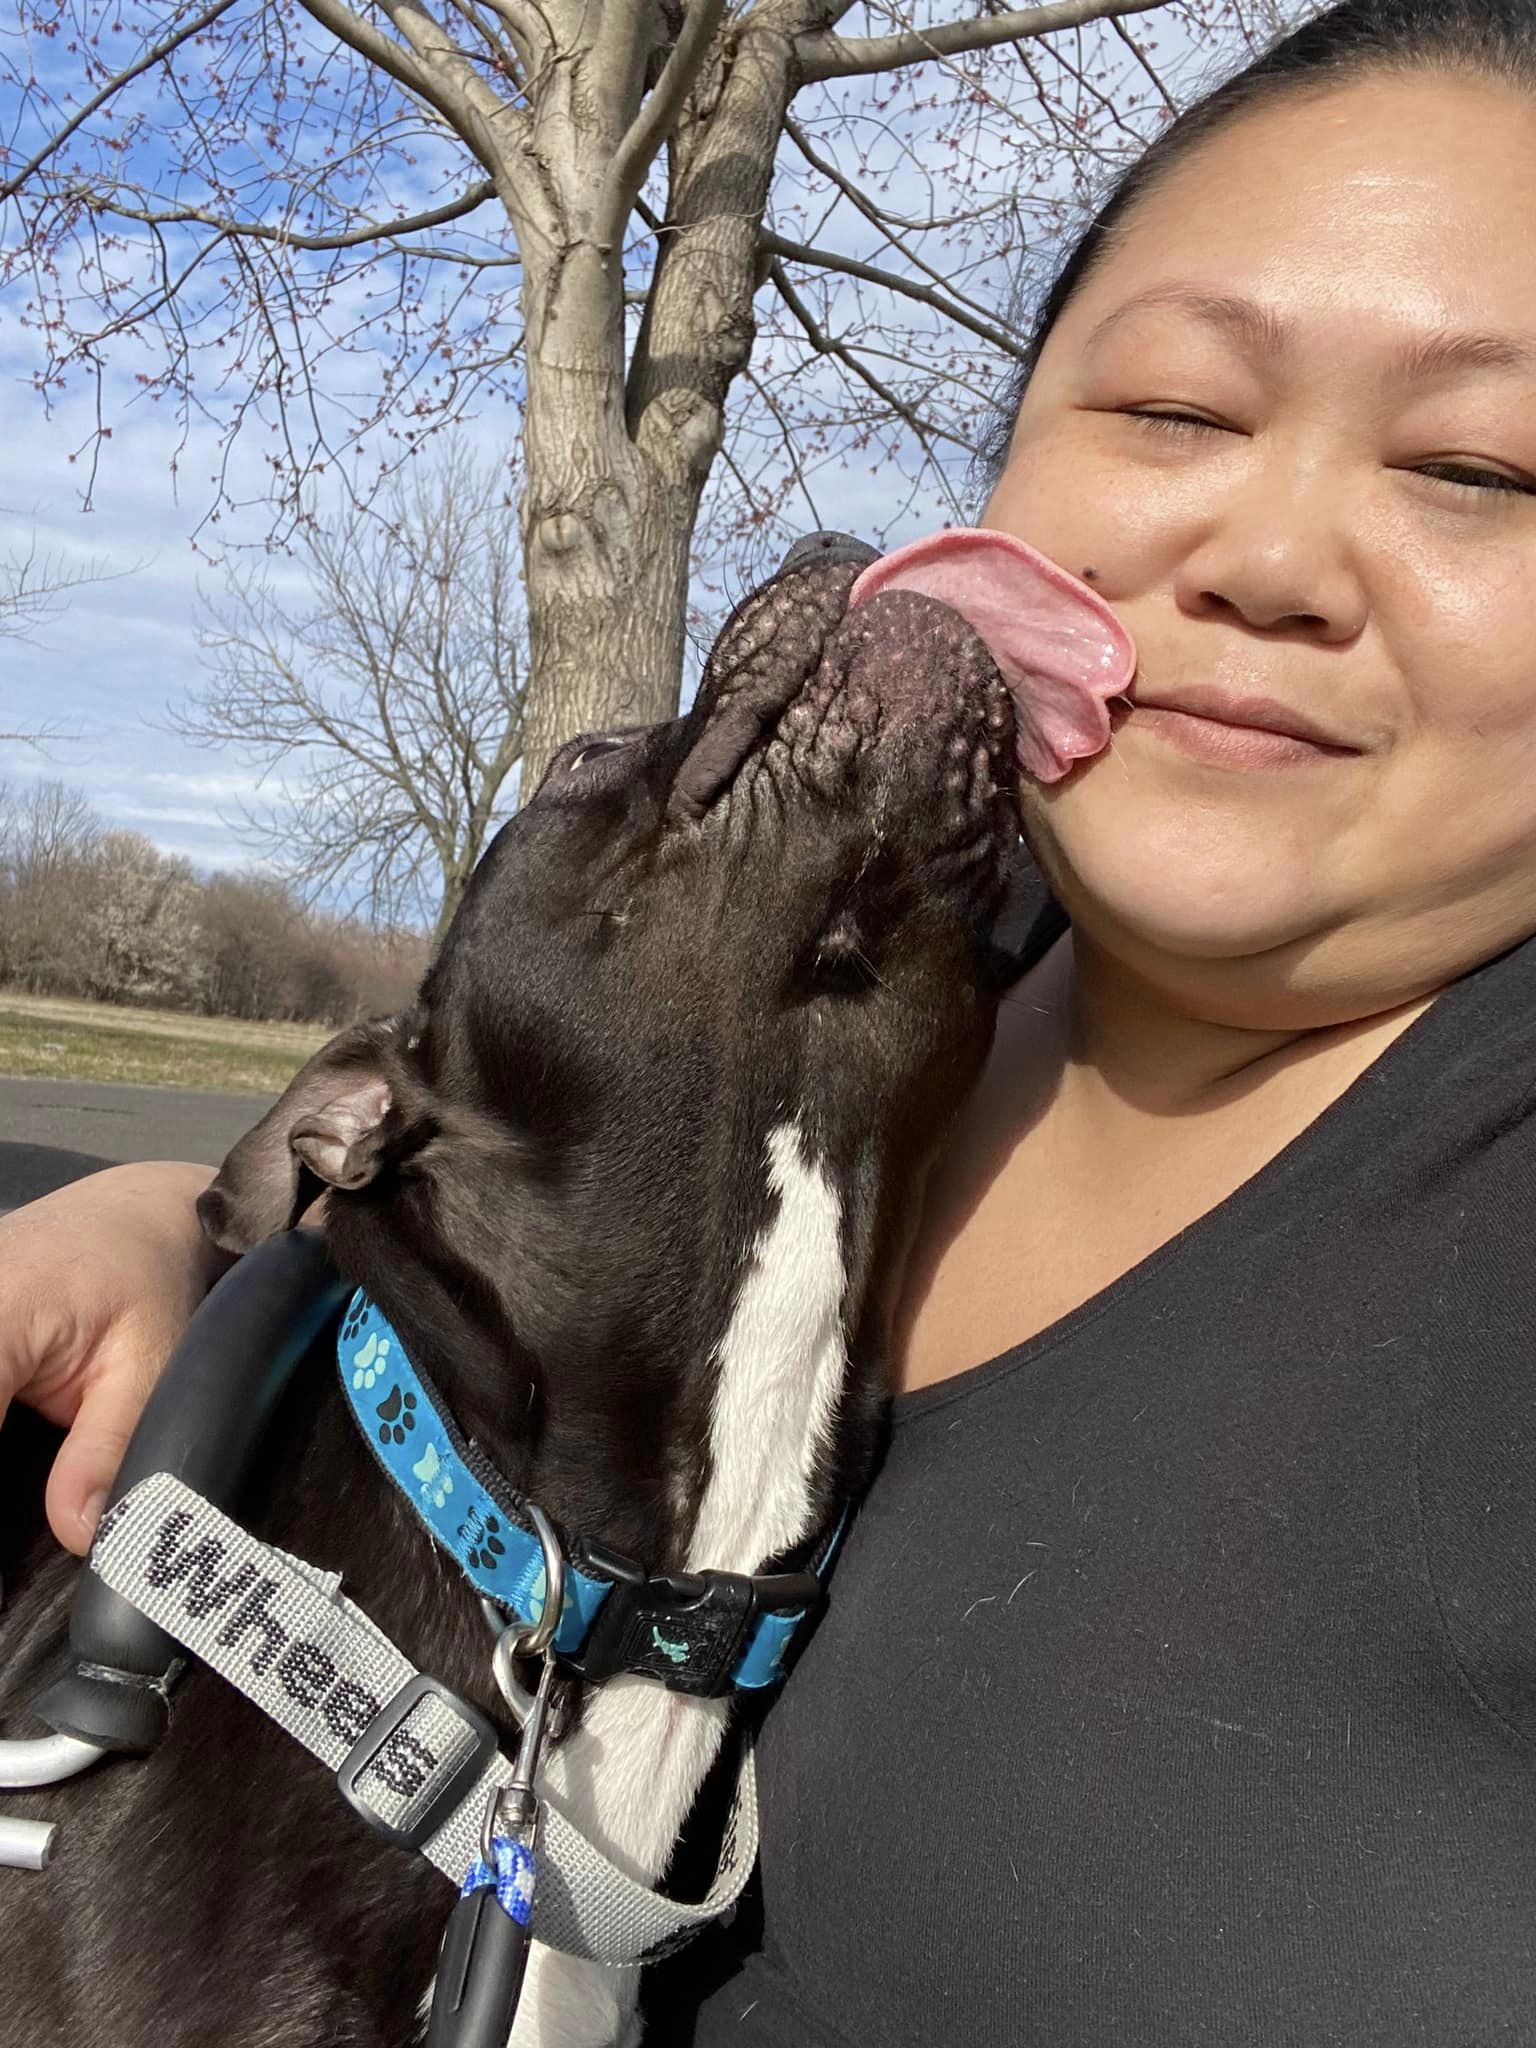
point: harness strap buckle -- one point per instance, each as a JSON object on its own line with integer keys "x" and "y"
{"x": 416, "y": 1761}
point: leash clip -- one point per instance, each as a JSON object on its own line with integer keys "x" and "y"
{"x": 484, "y": 1956}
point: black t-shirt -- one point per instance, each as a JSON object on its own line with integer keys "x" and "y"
{"x": 1178, "y": 1684}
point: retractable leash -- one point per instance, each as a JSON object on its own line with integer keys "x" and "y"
{"x": 484, "y": 1955}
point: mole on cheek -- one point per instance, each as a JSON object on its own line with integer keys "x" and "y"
{"x": 1089, "y": 574}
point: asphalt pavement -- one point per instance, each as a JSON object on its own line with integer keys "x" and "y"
{"x": 53, "y": 1131}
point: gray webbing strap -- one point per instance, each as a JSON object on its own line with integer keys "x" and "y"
{"x": 283, "y": 1634}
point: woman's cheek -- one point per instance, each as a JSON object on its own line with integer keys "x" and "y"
{"x": 1074, "y": 502}
{"x": 1092, "y": 499}
{"x": 1461, "y": 636}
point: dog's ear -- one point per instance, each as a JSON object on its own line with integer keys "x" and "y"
{"x": 332, "y": 1123}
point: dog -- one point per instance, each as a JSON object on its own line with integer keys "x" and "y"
{"x": 632, "y": 1179}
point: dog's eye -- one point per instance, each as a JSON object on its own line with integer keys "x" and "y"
{"x": 589, "y": 767}
{"x": 840, "y": 963}
{"x": 844, "y": 974}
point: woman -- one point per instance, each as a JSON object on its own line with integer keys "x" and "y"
{"x": 1181, "y": 1681}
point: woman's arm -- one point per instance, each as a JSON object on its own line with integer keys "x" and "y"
{"x": 97, "y": 1283}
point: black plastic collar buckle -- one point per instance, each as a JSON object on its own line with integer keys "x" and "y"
{"x": 689, "y": 1630}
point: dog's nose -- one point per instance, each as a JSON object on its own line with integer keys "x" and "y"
{"x": 827, "y": 548}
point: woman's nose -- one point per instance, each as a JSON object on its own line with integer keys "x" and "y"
{"x": 1278, "y": 557}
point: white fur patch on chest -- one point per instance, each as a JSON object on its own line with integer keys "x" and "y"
{"x": 628, "y": 1775}
{"x": 781, "y": 1366}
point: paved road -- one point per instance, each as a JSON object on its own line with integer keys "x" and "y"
{"x": 53, "y": 1131}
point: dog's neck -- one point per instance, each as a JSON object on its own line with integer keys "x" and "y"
{"x": 709, "y": 1433}
{"x": 779, "y": 1374}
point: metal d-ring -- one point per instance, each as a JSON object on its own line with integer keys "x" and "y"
{"x": 531, "y": 1639}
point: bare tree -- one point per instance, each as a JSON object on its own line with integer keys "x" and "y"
{"x": 390, "y": 693}
{"x": 89, "y": 911}
{"x": 755, "y": 239}
{"x": 247, "y": 925}
{"x": 48, "y": 842}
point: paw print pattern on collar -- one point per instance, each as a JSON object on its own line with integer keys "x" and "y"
{"x": 369, "y": 1360}
{"x": 415, "y": 1441}
{"x": 397, "y": 1412}
{"x": 436, "y": 1482}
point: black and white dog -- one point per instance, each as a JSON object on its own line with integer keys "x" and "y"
{"x": 633, "y": 1180}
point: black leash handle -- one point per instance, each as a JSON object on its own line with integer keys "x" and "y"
{"x": 479, "y": 1974}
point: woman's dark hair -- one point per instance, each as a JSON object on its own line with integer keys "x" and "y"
{"x": 1495, "y": 39}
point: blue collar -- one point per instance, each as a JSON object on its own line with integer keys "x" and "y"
{"x": 707, "y": 1633}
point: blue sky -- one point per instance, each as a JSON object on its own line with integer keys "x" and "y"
{"x": 103, "y": 670}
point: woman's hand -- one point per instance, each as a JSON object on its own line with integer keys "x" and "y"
{"x": 97, "y": 1283}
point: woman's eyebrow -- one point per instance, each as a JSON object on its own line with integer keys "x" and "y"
{"x": 1262, "y": 333}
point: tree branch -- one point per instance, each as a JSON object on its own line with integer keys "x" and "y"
{"x": 464, "y": 94}
{"x": 529, "y": 31}
{"x": 828, "y": 259}
{"x": 831, "y": 56}
{"x": 827, "y": 345}
{"x": 502, "y": 55}
{"x": 879, "y": 218}
{"x": 472, "y": 198}
{"x": 140, "y": 65}
{"x": 651, "y": 126}
{"x": 350, "y": 28}
{"x": 1169, "y": 103}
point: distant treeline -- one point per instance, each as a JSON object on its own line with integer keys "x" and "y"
{"x": 90, "y": 911}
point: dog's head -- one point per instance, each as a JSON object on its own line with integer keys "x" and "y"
{"x": 771, "y": 914}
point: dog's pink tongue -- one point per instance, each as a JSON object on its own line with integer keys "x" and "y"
{"x": 1059, "y": 648}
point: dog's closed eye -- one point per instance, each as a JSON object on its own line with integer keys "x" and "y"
{"x": 590, "y": 749}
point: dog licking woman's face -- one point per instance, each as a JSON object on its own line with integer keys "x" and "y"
{"x": 1289, "y": 424}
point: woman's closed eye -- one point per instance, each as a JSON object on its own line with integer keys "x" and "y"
{"x": 1164, "y": 420}
{"x": 1459, "y": 476}
{"x": 1471, "y": 476}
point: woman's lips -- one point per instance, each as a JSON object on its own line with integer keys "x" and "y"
{"x": 1232, "y": 741}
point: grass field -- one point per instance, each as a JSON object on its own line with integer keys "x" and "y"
{"x": 80, "y": 1041}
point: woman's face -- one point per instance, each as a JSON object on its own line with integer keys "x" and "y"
{"x": 1288, "y": 430}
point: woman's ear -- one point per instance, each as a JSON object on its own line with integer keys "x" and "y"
{"x": 332, "y": 1122}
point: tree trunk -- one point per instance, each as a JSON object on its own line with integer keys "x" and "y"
{"x": 614, "y": 478}
{"x": 605, "y": 562}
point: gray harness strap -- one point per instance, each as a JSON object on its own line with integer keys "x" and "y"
{"x": 411, "y": 1757}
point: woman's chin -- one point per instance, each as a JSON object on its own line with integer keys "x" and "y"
{"x": 1181, "y": 881}
{"x": 1175, "y": 926}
